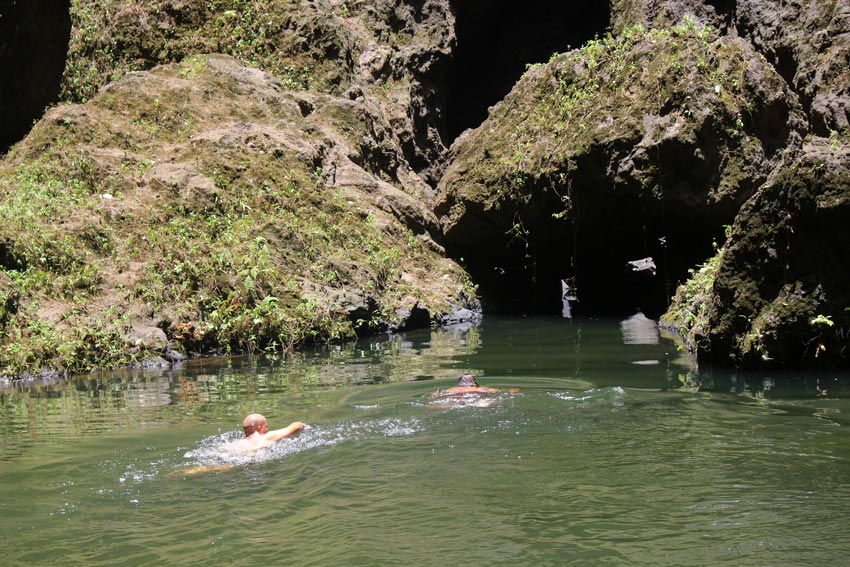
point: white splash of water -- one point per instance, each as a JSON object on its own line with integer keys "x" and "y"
{"x": 222, "y": 449}
{"x": 593, "y": 394}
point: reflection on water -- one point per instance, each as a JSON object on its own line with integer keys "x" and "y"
{"x": 640, "y": 330}
{"x": 207, "y": 389}
{"x": 204, "y": 388}
{"x": 599, "y": 458}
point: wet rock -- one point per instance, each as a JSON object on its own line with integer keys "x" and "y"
{"x": 461, "y": 316}
{"x": 780, "y": 293}
{"x": 154, "y": 362}
{"x": 613, "y": 152}
{"x": 409, "y": 317}
{"x": 639, "y": 330}
{"x": 174, "y": 356}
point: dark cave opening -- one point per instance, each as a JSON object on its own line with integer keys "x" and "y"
{"x": 523, "y": 277}
{"x": 497, "y": 39}
{"x": 34, "y": 36}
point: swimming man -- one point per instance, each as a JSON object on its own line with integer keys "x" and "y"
{"x": 258, "y": 436}
{"x": 466, "y": 384}
{"x": 468, "y": 392}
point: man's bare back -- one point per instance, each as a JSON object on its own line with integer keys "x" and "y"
{"x": 466, "y": 393}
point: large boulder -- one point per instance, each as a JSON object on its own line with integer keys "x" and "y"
{"x": 777, "y": 292}
{"x": 636, "y": 145}
{"x": 774, "y": 294}
{"x": 208, "y": 200}
{"x": 392, "y": 52}
{"x": 808, "y": 43}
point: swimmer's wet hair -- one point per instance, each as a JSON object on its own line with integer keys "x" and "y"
{"x": 467, "y": 380}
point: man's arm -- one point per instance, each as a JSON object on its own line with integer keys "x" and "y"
{"x": 279, "y": 434}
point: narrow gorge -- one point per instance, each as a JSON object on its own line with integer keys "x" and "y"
{"x": 245, "y": 176}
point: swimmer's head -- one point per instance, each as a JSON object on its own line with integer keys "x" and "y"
{"x": 255, "y": 423}
{"x": 467, "y": 380}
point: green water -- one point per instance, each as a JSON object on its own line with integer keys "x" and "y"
{"x": 612, "y": 453}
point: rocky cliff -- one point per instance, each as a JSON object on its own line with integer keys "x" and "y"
{"x": 209, "y": 206}
{"x": 692, "y": 121}
{"x": 244, "y": 175}
{"x": 637, "y": 145}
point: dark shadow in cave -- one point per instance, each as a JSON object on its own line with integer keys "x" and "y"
{"x": 614, "y": 228}
{"x": 497, "y": 39}
{"x": 34, "y": 36}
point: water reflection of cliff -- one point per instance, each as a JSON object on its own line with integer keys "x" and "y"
{"x": 210, "y": 389}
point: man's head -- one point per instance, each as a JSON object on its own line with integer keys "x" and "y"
{"x": 255, "y": 423}
{"x": 467, "y": 380}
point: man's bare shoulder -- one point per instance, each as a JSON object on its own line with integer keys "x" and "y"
{"x": 461, "y": 390}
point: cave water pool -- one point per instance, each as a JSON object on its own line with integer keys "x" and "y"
{"x": 613, "y": 452}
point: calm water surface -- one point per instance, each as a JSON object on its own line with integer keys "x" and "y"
{"x": 614, "y": 452}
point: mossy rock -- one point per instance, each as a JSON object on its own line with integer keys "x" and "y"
{"x": 780, "y": 296}
{"x": 389, "y": 52}
{"x": 676, "y": 115}
{"x": 206, "y": 199}
{"x": 775, "y": 294}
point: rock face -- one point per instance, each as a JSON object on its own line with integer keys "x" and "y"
{"x": 497, "y": 39}
{"x": 780, "y": 292}
{"x": 773, "y": 295}
{"x": 207, "y": 201}
{"x": 668, "y": 13}
{"x": 394, "y": 53}
{"x": 639, "y": 149}
{"x": 298, "y": 184}
{"x": 627, "y": 148}
{"x": 809, "y": 44}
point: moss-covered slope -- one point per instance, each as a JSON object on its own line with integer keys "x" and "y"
{"x": 394, "y": 53}
{"x": 203, "y": 207}
{"x": 677, "y": 112}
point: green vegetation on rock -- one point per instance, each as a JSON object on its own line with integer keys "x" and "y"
{"x": 113, "y": 37}
{"x": 689, "y": 307}
{"x": 646, "y": 109}
{"x": 174, "y": 211}
{"x": 777, "y": 294}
